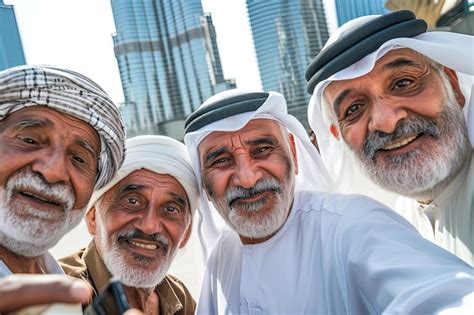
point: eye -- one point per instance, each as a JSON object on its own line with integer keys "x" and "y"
{"x": 79, "y": 159}
{"x": 29, "y": 140}
{"x": 172, "y": 209}
{"x": 403, "y": 83}
{"x": 221, "y": 161}
{"x": 262, "y": 150}
{"x": 133, "y": 201}
{"x": 352, "y": 109}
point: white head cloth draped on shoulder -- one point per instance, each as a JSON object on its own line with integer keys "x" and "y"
{"x": 229, "y": 111}
{"x": 455, "y": 51}
{"x": 159, "y": 154}
{"x": 71, "y": 93}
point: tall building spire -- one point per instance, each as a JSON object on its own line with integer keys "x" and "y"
{"x": 168, "y": 60}
{"x": 287, "y": 35}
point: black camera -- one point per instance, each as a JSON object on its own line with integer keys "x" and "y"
{"x": 113, "y": 290}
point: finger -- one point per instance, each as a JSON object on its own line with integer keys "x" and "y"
{"x": 133, "y": 311}
{"x": 18, "y": 291}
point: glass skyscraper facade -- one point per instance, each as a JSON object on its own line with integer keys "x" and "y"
{"x": 287, "y": 36}
{"x": 347, "y": 10}
{"x": 11, "y": 50}
{"x": 168, "y": 62}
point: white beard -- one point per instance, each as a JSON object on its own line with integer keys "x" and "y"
{"x": 134, "y": 271}
{"x": 42, "y": 230}
{"x": 420, "y": 174}
{"x": 248, "y": 222}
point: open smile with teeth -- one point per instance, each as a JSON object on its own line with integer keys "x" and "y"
{"x": 399, "y": 143}
{"x": 42, "y": 199}
{"x": 142, "y": 245}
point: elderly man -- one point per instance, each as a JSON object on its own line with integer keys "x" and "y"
{"x": 60, "y": 136}
{"x": 139, "y": 221}
{"x": 292, "y": 249}
{"x": 395, "y": 104}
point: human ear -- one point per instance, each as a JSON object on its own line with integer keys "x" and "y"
{"x": 291, "y": 139}
{"x": 334, "y": 131}
{"x": 90, "y": 221}
{"x": 187, "y": 235}
{"x": 453, "y": 79}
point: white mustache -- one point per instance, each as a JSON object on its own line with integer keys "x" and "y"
{"x": 266, "y": 184}
{"x": 56, "y": 193}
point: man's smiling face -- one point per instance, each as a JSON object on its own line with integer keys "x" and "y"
{"x": 47, "y": 174}
{"x": 138, "y": 226}
{"x": 404, "y": 122}
{"x": 249, "y": 175}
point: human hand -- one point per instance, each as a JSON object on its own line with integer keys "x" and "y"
{"x": 22, "y": 290}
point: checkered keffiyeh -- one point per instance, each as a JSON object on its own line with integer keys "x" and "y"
{"x": 71, "y": 93}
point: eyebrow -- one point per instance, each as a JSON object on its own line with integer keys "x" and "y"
{"x": 179, "y": 199}
{"x": 263, "y": 140}
{"x": 130, "y": 187}
{"x": 213, "y": 154}
{"x": 339, "y": 99}
{"x": 87, "y": 146}
{"x": 46, "y": 123}
{"x": 32, "y": 123}
{"x": 401, "y": 62}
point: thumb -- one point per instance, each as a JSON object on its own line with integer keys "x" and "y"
{"x": 21, "y": 290}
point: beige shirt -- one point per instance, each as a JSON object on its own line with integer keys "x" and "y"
{"x": 449, "y": 220}
{"x": 88, "y": 265}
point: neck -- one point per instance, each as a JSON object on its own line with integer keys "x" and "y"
{"x": 249, "y": 240}
{"x": 21, "y": 264}
{"x": 144, "y": 299}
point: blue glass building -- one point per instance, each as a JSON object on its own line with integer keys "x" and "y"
{"x": 168, "y": 61}
{"x": 287, "y": 35}
{"x": 347, "y": 10}
{"x": 11, "y": 50}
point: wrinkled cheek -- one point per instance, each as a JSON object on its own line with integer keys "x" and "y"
{"x": 207, "y": 183}
{"x": 355, "y": 142}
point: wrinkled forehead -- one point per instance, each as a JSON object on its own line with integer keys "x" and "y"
{"x": 145, "y": 179}
{"x": 389, "y": 63}
{"x": 49, "y": 120}
{"x": 254, "y": 128}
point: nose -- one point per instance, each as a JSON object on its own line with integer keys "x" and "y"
{"x": 385, "y": 115}
{"x": 247, "y": 173}
{"x": 150, "y": 221}
{"x": 52, "y": 165}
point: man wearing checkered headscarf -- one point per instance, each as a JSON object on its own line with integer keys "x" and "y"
{"x": 71, "y": 93}
{"x": 61, "y": 136}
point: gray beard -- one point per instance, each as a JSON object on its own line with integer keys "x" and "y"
{"x": 135, "y": 274}
{"x": 42, "y": 230}
{"x": 247, "y": 221}
{"x": 423, "y": 174}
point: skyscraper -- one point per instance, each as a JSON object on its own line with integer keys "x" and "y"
{"x": 347, "y": 10}
{"x": 11, "y": 50}
{"x": 168, "y": 61}
{"x": 287, "y": 35}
